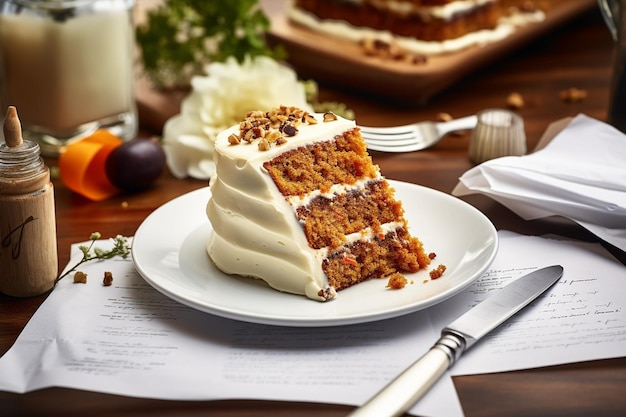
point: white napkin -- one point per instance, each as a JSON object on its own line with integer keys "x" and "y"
{"x": 580, "y": 174}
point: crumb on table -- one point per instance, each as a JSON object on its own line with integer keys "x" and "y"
{"x": 108, "y": 279}
{"x": 80, "y": 278}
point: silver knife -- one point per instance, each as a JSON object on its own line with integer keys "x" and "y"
{"x": 456, "y": 338}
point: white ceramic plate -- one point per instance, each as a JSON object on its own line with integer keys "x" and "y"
{"x": 169, "y": 251}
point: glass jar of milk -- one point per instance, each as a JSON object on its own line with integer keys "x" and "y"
{"x": 67, "y": 66}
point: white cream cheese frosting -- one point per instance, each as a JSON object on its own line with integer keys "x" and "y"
{"x": 255, "y": 230}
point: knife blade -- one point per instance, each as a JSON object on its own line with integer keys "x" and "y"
{"x": 404, "y": 391}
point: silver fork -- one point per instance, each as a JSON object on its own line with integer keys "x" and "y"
{"x": 413, "y": 137}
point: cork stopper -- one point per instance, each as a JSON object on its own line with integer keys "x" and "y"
{"x": 20, "y": 160}
{"x": 12, "y": 128}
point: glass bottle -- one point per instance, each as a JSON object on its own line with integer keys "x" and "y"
{"x": 28, "y": 246}
{"x": 67, "y": 65}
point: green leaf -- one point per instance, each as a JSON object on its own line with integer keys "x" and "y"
{"x": 121, "y": 247}
{"x": 181, "y": 36}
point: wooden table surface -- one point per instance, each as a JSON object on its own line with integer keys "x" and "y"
{"x": 577, "y": 54}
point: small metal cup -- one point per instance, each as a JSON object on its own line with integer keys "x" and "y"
{"x": 498, "y": 133}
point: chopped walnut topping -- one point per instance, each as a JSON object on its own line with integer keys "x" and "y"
{"x": 372, "y": 47}
{"x": 264, "y": 145}
{"x": 234, "y": 139}
{"x": 108, "y": 279}
{"x": 256, "y": 114}
{"x": 390, "y": 51}
{"x": 330, "y": 117}
{"x": 271, "y": 128}
{"x": 290, "y": 130}
{"x": 273, "y": 136}
{"x": 310, "y": 119}
{"x": 249, "y": 136}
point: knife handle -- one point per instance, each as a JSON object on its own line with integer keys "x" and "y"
{"x": 411, "y": 385}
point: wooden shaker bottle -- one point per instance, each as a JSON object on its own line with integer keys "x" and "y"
{"x": 28, "y": 246}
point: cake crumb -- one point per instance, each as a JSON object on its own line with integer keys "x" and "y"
{"x": 443, "y": 117}
{"x": 515, "y": 101}
{"x": 437, "y": 272}
{"x": 80, "y": 278}
{"x": 397, "y": 281}
{"x": 573, "y": 95}
{"x": 108, "y": 279}
{"x": 385, "y": 50}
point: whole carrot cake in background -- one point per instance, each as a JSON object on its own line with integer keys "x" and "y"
{"x": 421, "y": 26}
{"x": 297, "y": 202}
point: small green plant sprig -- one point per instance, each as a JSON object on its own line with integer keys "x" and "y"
{"x": 121, "y": 247}
{"x": 180, "y": 37}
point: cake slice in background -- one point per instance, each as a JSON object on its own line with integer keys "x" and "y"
{"x": 419, "y": 26}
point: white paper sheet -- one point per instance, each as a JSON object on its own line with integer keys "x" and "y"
{"x": 127, "y": 339}
{"x": 582, "y": 318}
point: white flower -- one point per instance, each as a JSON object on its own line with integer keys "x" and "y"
{"x": 220, "y": 100}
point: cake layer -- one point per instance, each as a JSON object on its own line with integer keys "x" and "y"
{"x": 328, "y": 220}
{"x": 396, "y": 251}
{"x": 337, "y": 160}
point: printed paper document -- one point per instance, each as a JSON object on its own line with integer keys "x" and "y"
{"x": 128, "y": 338}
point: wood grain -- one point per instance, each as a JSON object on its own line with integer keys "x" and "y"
{"x": 344, "y": 63}
{"x": 578, "y": 54}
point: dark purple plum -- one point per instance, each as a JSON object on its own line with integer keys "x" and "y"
{"x": 134, "y": 165}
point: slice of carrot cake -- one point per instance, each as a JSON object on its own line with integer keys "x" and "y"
{"x": 297, "y": 202}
